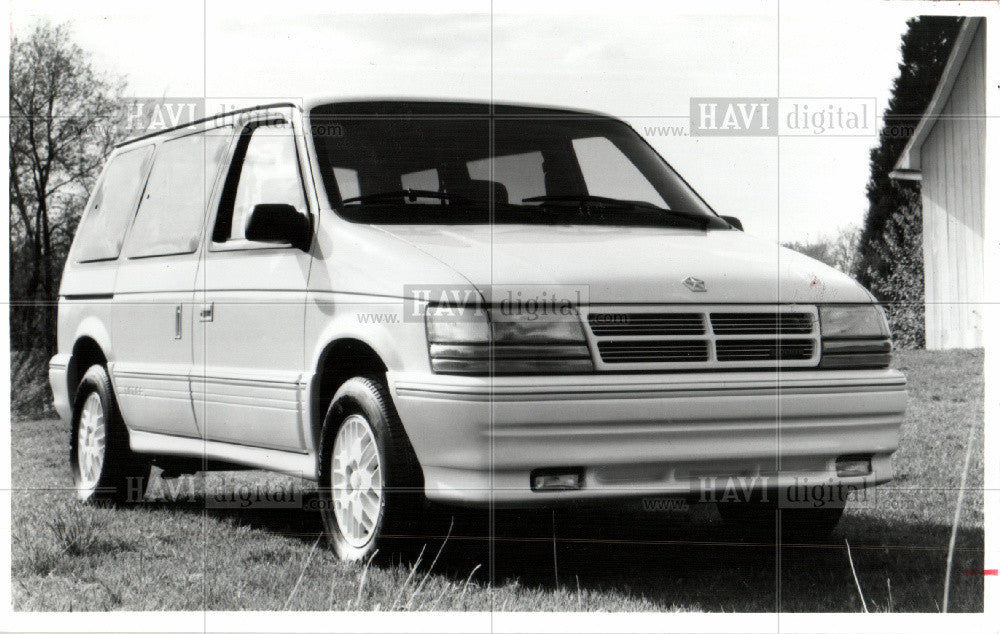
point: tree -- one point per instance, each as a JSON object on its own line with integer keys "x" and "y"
{"x": 839, "y": 251}
{"x": 902, "y": 290}
{"x": 65, "y": 117}
{"x": 925, "y": 49}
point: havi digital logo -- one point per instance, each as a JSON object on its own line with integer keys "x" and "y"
{"x": 734, "y": 117}
{"x": 785, "y": 116}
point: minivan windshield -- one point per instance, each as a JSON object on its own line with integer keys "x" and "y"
{"x": 396, "y": 162}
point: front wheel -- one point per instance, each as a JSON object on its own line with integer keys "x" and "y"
{"x": 104, "y": 467}
{"x": 371, "y": 486}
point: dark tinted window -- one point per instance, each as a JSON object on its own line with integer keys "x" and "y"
{"x": 102, "y": 229}
{"x": 453, "y": 163}
{"x": 172, "y": 211}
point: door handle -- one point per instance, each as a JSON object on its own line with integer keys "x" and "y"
{"x": 208, "y": 312}
{"x": 178, "y": 319}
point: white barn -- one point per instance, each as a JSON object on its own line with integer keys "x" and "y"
{"x": 947, "y": 154}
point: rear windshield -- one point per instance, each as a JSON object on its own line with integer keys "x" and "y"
{"x": 515, "y": 168}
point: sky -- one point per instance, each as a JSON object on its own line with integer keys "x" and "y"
{"x": 642, "y": 62}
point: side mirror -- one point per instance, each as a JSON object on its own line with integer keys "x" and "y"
{"x": 279, "y": 223}
{"x": 733, "y": 221}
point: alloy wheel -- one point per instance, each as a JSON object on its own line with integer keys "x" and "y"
{"x": 91, "y": 439}
{"x": 356, "y": 481}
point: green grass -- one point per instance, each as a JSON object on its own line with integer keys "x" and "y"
{"x": 184, "y": 555}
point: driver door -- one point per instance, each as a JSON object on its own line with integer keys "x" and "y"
{"x": 250, "y": 299}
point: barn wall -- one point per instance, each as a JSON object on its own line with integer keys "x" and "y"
{"x": 952, "y": 163}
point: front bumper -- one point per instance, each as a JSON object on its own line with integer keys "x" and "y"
{"x": 478, "y": 439}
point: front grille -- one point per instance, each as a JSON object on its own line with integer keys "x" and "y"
{"x": 761, "y": 323}
{"x": 763, "y": 350}
{"x": 705, "y": 337}
{"x": 653, "y": 351}
{"x": 665, "y": 324}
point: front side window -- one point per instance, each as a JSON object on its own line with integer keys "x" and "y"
{"x": 265, "y": 170}
{"x": 102, "y": 230}
{"x": 172, "y": 211}
{"x": 447, "y": 164}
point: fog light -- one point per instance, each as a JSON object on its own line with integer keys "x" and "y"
{"x": 555, "y": 480}
{"x": 848, "y": 466}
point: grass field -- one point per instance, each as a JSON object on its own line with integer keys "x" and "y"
{"x": 184, "y": 553}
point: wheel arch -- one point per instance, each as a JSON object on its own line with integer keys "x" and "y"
{"x": 87, "y": 351}
{"x": 338, "y": 361}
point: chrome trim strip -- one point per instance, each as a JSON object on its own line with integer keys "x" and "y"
{"x": 88, "y": 296}
{"x": 543, "y": 394}
{"x": 286, "y": 384}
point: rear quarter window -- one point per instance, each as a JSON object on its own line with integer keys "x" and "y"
{"x": 112, "y": 205}
{"x": 172, "y": 211}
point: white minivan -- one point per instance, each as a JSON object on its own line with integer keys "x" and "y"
{"x": 462, "y": 303}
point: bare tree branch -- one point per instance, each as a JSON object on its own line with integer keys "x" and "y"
{"x": 64, "y": 119}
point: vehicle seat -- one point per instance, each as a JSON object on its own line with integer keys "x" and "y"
{"x": 479, "y": 191}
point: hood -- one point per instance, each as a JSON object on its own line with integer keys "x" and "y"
{"x": 632, "y": 264}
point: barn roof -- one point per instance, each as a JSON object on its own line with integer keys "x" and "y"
{"x": 908, "y": 164}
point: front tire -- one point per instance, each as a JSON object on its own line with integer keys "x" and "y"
{"x": 104, "y": 467}
{"x": 371, "y": 485}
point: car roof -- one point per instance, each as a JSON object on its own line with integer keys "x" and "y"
{"x": 422, "y": 105}
{"x": 204, "y": 120}
{"x": 368, "y": 106}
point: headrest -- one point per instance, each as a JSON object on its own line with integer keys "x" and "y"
{"x": 479, "y": 191}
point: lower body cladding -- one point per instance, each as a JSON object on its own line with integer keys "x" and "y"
{"x": 523, "y": 441}
{"x": 58, "y": 369}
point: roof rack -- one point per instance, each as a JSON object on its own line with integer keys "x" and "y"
{"x": 279, "y": 104}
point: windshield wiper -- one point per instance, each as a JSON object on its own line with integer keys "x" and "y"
{"x": 587, "y": 203}
{"x": 586, "y": 198}
{"x": 405, "y": 194}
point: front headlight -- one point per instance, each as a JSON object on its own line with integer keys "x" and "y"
{"x": 475, "y": 340}
{"x": 854, "y": 336}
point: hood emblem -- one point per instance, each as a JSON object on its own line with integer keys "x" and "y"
{"x": 695, "y": 285}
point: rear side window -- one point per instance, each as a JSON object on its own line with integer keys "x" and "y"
{"x": 523, "y": 175}
{"x": 347, "y": 180}
{"x": 425, "y": 179}
{"x": 103, "y": 227}
{"x": 608, "y": 172}
{"x": 172, "y": 212}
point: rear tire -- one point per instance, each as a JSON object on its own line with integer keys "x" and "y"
{"x": 104, "y": 467}
{"x": 371, "y": 485}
